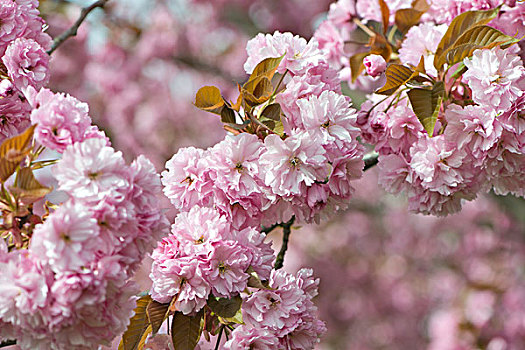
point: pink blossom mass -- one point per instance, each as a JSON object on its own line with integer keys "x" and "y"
{"x": 263, "y": 174}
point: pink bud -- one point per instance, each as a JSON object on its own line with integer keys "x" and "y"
{"x": 375, "y": 65}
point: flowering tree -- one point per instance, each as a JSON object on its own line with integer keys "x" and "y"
{"x": 443, "y": 122}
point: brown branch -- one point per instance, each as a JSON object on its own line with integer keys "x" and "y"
{"x": 287, "y": 229}
{"x": 7, "y": 343}
{"x": 201, "y": 66}
{"x": 371, "y": 159}
{"x": 72, "y": 31}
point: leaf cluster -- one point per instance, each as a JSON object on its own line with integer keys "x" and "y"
{"x": 254, "y": 110}
{"x": 185, "y": 330}
{"x": 18, "y": 220}
{"x": 467, "y": 32}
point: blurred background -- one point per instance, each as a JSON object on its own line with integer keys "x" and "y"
{"x": 389, "y": 279}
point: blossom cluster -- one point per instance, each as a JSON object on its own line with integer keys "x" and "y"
{"x": 282, "y": 316}
{"x": 205, "y": 258}
{"x": 477, "y": 143}
{"x": 65, "y": 269}
{"x": 301, "y": 164}
{"x": 71, "y": 287}
{"x": 304, "y": 171}
{"x": 24, "y": 62}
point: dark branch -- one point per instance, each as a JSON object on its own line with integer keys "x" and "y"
{"x": 7, "y": 343}
{"x": 219, "y": 338}
{"x": 72, "y": 31}
{"x": 370, "y": 159}
{"x": 269, "y": 229}
{"x": 287, "y": 229}
{"x": 201, "y": 66}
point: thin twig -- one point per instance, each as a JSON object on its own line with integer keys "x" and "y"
{"x": 365, "y": 29}
{"x": 198, "y": 65}
{"x": 72, "y": 31}
{"x": 219, "y": 339}
{"x": 269, "y": 229}
{"x": 370, "y": 159}
{"x": 7, "y": 343}
{"x": 287, "y": 229}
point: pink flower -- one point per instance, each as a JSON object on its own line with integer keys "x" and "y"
{"x": 496, "y": 77}
{"x": 270, "y": 310}
{"x": 513, "y": 119}
{"x": 330, "y": 119}
{"x": 403, "y": 129}
{"x": 226, "y": 268}
{"x": 295, "y": 163}
{"x": 67, "y": 240}
{"x": 393, "y": 172}
{"x": 246, "y": 338}
{"x": 341, "y": 12}
{"x": 345, "y": 170}
{"x": 183, "y": 278}
{"x": 186, "y": 180}
{"x": 474, "y": 127}
{"x": 298, "y": 53}
{"x": 10, "y": 23}
{"x": 199, "y": 228}
{"x": 505, "y": 165}
{"x": 286, "y": 308}
{"x": 331, "y": 43}
{"x": 15, "y": 116}
{"x": 27, "y": 64}
{"x": 61, "y": 120}
{"x": 375, "y": 65}
{"x": 436, "y": 163}
{"x": 431, "y": 202}
{"x": 24, "y": 290}
{"x": 312, "y": 83}
{"x": 6, "y": 87}
{"x": 91, "y": 171}
{"x": 371, "y": 10}
{"x": 261, "y": 253}
{"x": 235, "y": 170}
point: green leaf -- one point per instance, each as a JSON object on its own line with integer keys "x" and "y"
{"x": 272, "y": 111}
{"x": 209, "y": 99}
{"x": 460, "y": 25}
{"x": 396, "y": 76}
{"x": 13, "y": 150}
{"x": 480, "y": 37}
{"x": 224, "y": 307}
{"x": 138, "y": 328}
{"x": 186, "y": 330}
{"x": 426, "y": 104}
{"x": 157, "y": 314}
